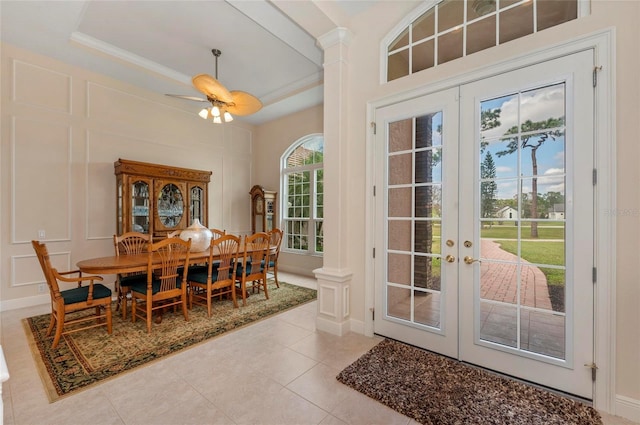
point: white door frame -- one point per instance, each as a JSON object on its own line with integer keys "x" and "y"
{"x": 602, "y": 43}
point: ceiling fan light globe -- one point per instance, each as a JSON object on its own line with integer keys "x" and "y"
{"x": 204, "y": 113}
{"x": 217, "y": 120}
{"x": 215, "y": 111}
{"x": 228, "y": 117}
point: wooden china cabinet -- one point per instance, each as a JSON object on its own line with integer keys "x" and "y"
{"x": 263, "y": 209}
{"x": 159, "y": 199}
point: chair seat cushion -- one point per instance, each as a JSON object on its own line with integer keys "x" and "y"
{"x": 141, "y": 287}
{"x": 197, "y": 269}
{"x": 131, "y": 279}
{"x": 201, "y": 276}
{"x": 271, "y": 263}
{"x": 249, "y": 270}
{"x": 77, "y": 295}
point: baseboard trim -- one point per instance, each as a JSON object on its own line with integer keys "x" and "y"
{"x": 25, "y": 302}
{"x": 332, "y": 327}
{"x": 627, "y": 408}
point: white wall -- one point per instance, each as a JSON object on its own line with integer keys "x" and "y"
{"x": 271, "y": 140}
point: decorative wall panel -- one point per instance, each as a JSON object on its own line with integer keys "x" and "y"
{"x": 26, "y": 270}
{"x": 40, "y": 149}
{"x": 37, "y": 86}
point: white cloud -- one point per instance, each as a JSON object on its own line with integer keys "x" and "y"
{"x": 537, "y": 105}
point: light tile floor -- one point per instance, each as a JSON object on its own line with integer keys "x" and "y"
{"x": 277, "y": 371}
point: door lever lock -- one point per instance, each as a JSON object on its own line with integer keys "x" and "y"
{"x": 471, "y": 260}
{"x": 450, "y": 258}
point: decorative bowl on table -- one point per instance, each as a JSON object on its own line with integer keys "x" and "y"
{"x": 200, "y": 236}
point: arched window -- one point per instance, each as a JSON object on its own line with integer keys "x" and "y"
{"x": 450, "y": 29}
{"x": 302, "y": 188}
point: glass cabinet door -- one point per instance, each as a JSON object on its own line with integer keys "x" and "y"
{"x": 119, "y": 205}
{"x": 270, "y": 213}
{"x": 170, "y": 206}
{"x": 140, "y": 206}
{"x": 196, "y": 205}
{"x": 258, "y": 214}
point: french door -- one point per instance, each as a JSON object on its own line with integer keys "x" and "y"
{"x": 486, "y": 222}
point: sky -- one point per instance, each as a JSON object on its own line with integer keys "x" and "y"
{"x": 535, "y": 105}
{"x": 516, "y": 169}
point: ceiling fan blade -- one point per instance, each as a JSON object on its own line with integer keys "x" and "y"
{"x": 197, "y": 99}
{"x": 212, "y": 88}
{"x": 244, "y": 103}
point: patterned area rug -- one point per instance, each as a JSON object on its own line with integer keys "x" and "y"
{"x": 87, "y": 357}
{"x": 435, "y": 389}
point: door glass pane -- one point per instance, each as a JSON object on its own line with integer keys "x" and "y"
{"x": 522, "y": 220}
{"x": 414, "y": 199}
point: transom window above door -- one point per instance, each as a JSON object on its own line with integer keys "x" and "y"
{"x": 451, "y": 29}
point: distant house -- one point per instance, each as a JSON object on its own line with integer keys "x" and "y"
{"x": 556, "y": 212}
{"x": 507, "y": 212}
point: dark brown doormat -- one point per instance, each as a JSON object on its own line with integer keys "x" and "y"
{"x": 434, "y": 389}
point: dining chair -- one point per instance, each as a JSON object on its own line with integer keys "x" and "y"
{"x": 166, "y": 283}
{"x": 219, "y": 277}
{"x": 275, "y": 236}
{"x": 216, "y": 233}
{"x": 129, "y": 243}
{"x": 94, "y": 298}
{"x": 251, "y": 270}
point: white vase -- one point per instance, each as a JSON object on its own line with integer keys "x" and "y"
{"x": 200, "y": 236}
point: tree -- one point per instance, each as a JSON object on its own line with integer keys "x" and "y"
{"x": 532, "y": 136}
{"x": 488, "y": 187}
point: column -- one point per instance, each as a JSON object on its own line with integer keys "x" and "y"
{"x": 334, "y": 277}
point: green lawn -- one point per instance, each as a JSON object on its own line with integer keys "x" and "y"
{"x": 541, "y": 253}
{"x": 504, "y": 231}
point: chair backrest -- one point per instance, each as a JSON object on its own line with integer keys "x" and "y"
{"x": 174, "y": 234}
{"x": 276, "y": 240}
{"x": 216, "y": 233}
{"x": 227, "y": 248}
{"x": 256, "y": 249}
{"x": 131, "y": 243}
{"x": 173, "y": 254}
{"x": 45, "y": 263}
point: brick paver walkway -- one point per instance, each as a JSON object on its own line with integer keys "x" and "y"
{"x": 499, "y": 281}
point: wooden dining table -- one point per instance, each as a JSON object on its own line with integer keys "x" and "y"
{"x": 115, "y": 264}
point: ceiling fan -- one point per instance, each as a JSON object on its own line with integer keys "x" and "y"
{"x": 223, "y": 102}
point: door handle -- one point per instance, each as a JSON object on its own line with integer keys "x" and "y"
{"x": 471, "y": 260}
{"x": 450, "y": 258}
